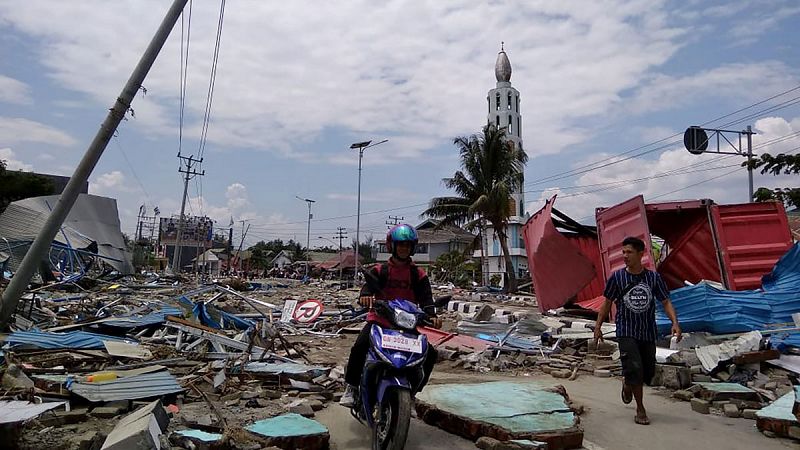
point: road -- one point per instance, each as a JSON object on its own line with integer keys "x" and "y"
{"x": 607, "y": 422}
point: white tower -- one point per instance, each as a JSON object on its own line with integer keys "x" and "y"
{"x": 503, "y": 104}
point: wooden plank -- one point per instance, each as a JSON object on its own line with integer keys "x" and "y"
{"x": 756, "y": 357}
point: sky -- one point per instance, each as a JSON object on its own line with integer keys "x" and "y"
{"x": 606, "y": 87}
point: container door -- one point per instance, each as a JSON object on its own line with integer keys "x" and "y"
{"x": 614, "y": 224}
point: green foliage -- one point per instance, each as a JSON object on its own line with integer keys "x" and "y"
{"x": 780, "y": 164}
{"x": 17, "y": 185}
{"x": 491, "y": 169}
{"x": 455, "y": 267}
{"x": 364, "y": 249}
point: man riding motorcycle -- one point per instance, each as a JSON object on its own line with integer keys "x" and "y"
{"x": 400, "y": 278}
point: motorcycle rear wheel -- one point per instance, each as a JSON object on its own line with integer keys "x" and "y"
{"x": 390, "y": 431}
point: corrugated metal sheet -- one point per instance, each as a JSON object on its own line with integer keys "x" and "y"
{"x": 71, "y": 340}
{"x": 14, "y": 411}
{"x": 751, "y": 237}
{"x": 693, "y": 258}
{"x": 549, "y": 252}
{"x": 91, "y": 219}
{"x": 614, "y": 224}
{"x": 589, "y": 247}
{"x": 129, "y": 388}
{"x": 705, "y": 308}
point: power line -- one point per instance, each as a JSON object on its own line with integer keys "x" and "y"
{"x": 211, "y": 82}
{"x": 184, "y": 72}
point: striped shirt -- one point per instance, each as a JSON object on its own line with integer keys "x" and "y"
{"x": 635, "y": 296}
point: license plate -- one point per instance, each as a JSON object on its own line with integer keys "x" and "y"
{"x": 402, "y": 343}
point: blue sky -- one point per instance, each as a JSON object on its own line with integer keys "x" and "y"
{"x": 298, "y": 82}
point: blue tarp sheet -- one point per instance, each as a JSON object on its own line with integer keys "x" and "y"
{"x": 705, "y": 308}
{"x": 153, "y": 318}
{"x": 213, "y": 317}
{"x": 72, "y": 340}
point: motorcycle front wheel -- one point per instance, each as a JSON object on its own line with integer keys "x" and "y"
{"x": 390, "y": 431}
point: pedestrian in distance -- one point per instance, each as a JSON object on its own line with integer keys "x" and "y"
{"x": 635, "y": 290}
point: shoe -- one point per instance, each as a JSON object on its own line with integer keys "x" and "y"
{"x": 348, "y": 398}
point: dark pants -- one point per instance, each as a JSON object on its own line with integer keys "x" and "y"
{"x": 638, "y": 360}
{"x": 358, "y": 357}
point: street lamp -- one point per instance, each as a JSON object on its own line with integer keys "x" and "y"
{"x": 308, "y": 233}
{"x": 360, "y": 146}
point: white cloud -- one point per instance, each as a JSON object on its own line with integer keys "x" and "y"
{"x": 14, "y": 91}
{"x": 7, "y": 155}
{"x": 108, "y": 182}
{"x": 416, "y": 71}
{"x": 385, "y": 195}
{"x": 610, "y": 185}
{"x": 15, "y": 130}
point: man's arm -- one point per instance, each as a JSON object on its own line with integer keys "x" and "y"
{"x": 370, "y": 288}
{"x": 673, "y": 316}
{"x": 601, "y": 317}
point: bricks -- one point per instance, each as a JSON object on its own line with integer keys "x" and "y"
{"x": 686, "y": 396}
{"x": 700, "y": 406}
{"x": 731, "y": 410}
{"x": 675, "y": 377}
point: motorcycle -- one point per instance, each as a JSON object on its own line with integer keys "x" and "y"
{"x": 392, "y": 374}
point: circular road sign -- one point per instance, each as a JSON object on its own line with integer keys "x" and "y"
{"x": 695, "y": 140}
{"x": 308, "y": 312}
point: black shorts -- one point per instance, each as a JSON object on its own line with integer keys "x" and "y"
{"x": 638, "y": 360}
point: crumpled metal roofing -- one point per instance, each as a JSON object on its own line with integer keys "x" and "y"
{"x": 704, "y": 308}
{"x": 135, "y": 387}
{"x": 14, "y": 411}
{"x": 91, "y": 219}
{"x": 138, "y": 320}
{"x": 71, "y": 340}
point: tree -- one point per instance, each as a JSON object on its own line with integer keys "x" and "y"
{"x": 455, "y": 267}
{"x": 364, "y": 249}
{"x": 16, "y": 185}
{"x": 781, "y": 164}
{"x": 491, "y": 169}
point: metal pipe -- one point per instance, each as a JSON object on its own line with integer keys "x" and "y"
{"x": 64, "y": 204}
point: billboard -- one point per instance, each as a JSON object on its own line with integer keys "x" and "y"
{"x": 197, "y": 231}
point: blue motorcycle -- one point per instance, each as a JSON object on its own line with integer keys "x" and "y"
{"x": 392, "y": 374}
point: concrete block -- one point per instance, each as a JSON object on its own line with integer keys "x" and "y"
{"x": 701, "y": 378}
{"x": 675, "y": 377}
{"x": 316, "y": 405}
{"x": 731, "y": 410}
{"x": 794, "y": 432}
{"x": 138, "y": 434}
{"x": 561, "y": 373}
{"x": 749, "y": 414}
{"x": 155, "y": 408}
{"x": 700, "y": 406}
{"x": 271, "y": 394}
{"x": 602, "y": 373}
{"x": 90, "y": 440}
{"x": 303, "y": 409}
{"x": 686, "y": 396}
{"x": 696, "y": 369}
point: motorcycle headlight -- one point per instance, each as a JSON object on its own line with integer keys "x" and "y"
{"x": 405, "y": 319}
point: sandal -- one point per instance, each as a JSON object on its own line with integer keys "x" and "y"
{"x": 626, "y": 398}
{"x": 641, "y": 420}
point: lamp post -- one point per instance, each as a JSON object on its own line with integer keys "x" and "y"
{"x": 308, "y": 233}
{"x": 360, "y": 146}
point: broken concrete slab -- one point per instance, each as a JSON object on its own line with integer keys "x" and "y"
{"x": 731, "y": 410}
{"x": 155, "y": 408}
{"x": 502, "y": 410}
{"x": 141, "y": 433}
{"x": 197, "y": 439}
{"x": 778, "y": 417}
{"x": 725, "y": 391}
{"x": 675, "y": 377}
{"x": 292, "y": 431}
{"x": 701, "y": 406}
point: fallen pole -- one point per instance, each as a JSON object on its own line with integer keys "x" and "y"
{"x": 67, "y": 199}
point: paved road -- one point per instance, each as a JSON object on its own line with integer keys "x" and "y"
{"x": 348, "y": 434}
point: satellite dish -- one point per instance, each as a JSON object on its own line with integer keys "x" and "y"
{"x": 695, "y": 140}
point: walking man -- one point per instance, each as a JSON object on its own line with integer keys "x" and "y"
{"x": 635, "y": 290}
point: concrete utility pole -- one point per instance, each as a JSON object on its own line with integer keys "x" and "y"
{"x": 341, "y": 233}
{"x": 308, "y": 232}
{"x": 189, "y": 173}
{"x": 64, "y": 204}
{"x": 393, "y": 221}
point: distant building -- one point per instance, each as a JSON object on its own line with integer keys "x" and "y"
{"x": 281, "y": 260}
{"x": 433, "y": 243}
{"x": 504, "y": 111}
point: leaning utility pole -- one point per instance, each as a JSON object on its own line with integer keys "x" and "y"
{"x": 64, "y": 204}
{"x": 189, "y": 172}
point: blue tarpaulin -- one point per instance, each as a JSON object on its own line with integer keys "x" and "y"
{"x": 213, "y": 317}
{"x": 137, "y": 320}
{"x": 705, "y": 308}
{"x": 71, "y": 340}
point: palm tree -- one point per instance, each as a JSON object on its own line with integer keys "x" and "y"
{"x": 491, "y": 169}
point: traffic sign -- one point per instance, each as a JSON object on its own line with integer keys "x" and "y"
{"x": 308, "y": 312}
